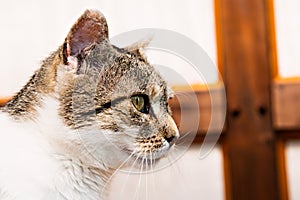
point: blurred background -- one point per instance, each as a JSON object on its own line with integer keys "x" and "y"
{"x": 31, "y": 29}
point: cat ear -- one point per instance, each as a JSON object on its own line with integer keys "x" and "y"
{"x": 90, "y": 28}
{"x": 139, "y": 47}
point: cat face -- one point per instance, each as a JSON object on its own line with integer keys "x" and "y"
{"x": 113, "y": 93}
{"x": 135, "y": 111}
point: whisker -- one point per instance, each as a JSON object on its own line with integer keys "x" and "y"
{"x": 172, "y": 157}
{"x": 152, "y": 172}
{"x": 173, "y": 161}
{"x": 128, "y": 173}
{"x": 116, "y": 170}
{"x": 137, "y": 191}
{"x": 186, "y": 138}
{"x": 151, "y": 162}
{"x": 184, "y": 135}
{"x": 183, "y": 181}
{"x": 183, "y": 143}
{"x": 146, "y": 179}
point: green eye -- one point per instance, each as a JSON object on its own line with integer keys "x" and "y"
{"x": 141, "y": 103}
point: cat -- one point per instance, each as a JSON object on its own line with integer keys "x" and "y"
{"x": 90, "y": 109}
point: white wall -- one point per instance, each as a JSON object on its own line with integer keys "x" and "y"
{"x": 31, "y": 29}
{"x": 287, "y": 18}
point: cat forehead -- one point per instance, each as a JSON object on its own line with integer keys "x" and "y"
{"x": 109, "y": 59}
{"x": 120, "y": 72}
{"x": 133, "y": 79}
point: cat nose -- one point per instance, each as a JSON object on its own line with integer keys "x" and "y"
{"x": 172, "y": 139}
{"x": 172, "y": 132}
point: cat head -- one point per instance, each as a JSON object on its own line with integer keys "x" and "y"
{"x": 113, "y": 93}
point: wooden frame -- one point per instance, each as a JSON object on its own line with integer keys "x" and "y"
{"x": 3, "y": 100}
{"x": 271, "y": 107}
{"x": 286, "y": 97}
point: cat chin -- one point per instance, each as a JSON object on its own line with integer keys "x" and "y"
{"x": 139, "y": 164}
{"x": 147, "y": 157}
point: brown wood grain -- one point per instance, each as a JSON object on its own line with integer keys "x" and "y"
{"x": 286, "y": 104}
{"x": 281, "y": 163}
{"x": 285, "y": 110}
{"x": 3, "y": 100}
{"x": 249, "y": 143}
{"x": 206, "y": 101}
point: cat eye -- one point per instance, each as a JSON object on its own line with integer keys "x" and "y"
{"x": 141, "y": 103}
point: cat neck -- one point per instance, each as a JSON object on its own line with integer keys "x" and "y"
{"x": 53, "y": 154}
{"x": 54, "y": 161}
{"x": 80, "y": 174}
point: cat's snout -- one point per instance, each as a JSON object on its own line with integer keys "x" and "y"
{"x": 172, "y": 133}
{"x": 172, "y": 139}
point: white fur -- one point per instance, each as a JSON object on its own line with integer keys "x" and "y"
{"x": 34, "y": 163}
{"x": 24, "y": 160}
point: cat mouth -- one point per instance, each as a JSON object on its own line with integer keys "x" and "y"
{"x": 148, "y": 156}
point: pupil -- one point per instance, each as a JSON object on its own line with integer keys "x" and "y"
{"x": 141, "y": 103}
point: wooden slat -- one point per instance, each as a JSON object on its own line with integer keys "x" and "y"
{"x": 204, "y": 98}
{"x": 249, "y": 143}
{"x": 286, "y": 104}
{"x": 287, "y": 135}
{"x": 285, "y": 101}
{"x": 272, "y": 51}
{"x": 3, "y": 100}
{"x": 281, "y": 163}
{"x": 285, "y": 110}
{"x": 282, "y": 175}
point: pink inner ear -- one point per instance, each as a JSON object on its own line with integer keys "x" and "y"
{"x": 90, "y": 28}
